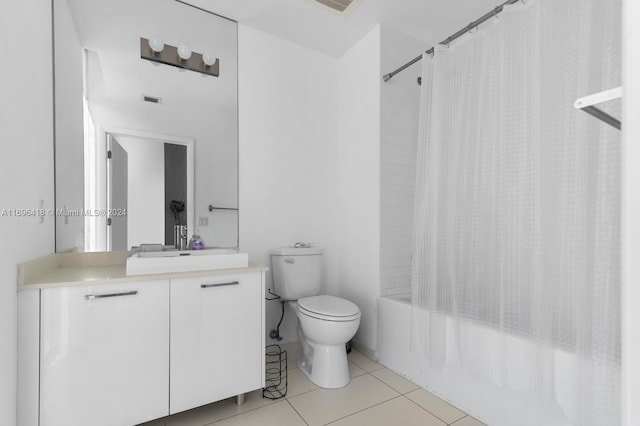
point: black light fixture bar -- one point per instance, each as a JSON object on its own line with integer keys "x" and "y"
{"x": 169, "y": 56}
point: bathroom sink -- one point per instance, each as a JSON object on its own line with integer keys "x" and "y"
{"x": 176, "y": 253}
{"x": 167, "y": 261}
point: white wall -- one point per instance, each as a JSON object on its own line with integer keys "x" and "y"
{"x": 288, "y": 154}
{"x": 310, "y": 163}
{"x": 145, "y": 190}
{"x": 26, "y": 166}
{"x": 400, "y": 102}
{"x": 359, "y": 160}
{"x": 631, "y": 214}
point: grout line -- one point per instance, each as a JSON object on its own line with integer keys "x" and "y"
{"x": 466, "y": 415}
{"x": 287, "y": 397}
{"x": 300, "y": 394}
{"x": 244, "y": 412}
{"x": 403, "y": 377}
{"x": 388, "y": 385}
{"x": 433, "y": 414}
{"x": 366, "y": 357}
{"x": 364, "y": 409}
{"x": 356, "y": 365}
{"x": 236, "y": 414}
{"x": 294, "y": 409}
{"x": 355, "y": 412}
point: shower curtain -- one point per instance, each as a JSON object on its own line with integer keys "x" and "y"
{"x": 516, "y": 258}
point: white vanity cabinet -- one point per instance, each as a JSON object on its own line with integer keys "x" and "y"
{"x": 104, "y": 353}
{"x": 98, "y": 347}
{"x": 217, "y": 338}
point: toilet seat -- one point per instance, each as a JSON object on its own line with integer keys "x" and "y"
{"x": 328, "y": 308}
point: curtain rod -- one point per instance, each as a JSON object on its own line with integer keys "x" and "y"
{"x": 452, "y": 37}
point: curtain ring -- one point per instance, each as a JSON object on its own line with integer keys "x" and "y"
{"x": 471, "y": 27}
{"x": 496, "y": 11}
{"x": 447, "y": 41}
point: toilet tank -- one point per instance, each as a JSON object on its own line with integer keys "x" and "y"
{"x": 297, "y": 272}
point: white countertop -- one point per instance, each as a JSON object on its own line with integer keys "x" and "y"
{"x": 75, "y": 269}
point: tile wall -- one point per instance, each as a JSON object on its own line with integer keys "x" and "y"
{"x": 400, "y": 98}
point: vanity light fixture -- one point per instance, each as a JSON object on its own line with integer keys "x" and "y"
{"x": 208, "y": 59}
{"x": 184, "y": 52}
{"x": 156, "y": 45}
{"x": 181, "y": 57}
{"x": 339, "y": 5}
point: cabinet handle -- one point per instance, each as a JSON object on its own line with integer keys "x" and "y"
{"x": 219, "y": 284}
{"x": 102, "y": 296}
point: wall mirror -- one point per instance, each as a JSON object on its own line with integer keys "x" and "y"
{"x": 134, "y": 135}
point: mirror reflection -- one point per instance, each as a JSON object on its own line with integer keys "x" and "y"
{"x": 149, "y": 190}
{"x": 134, "y": 135}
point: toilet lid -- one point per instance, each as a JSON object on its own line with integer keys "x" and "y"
{"x": 328, "y": 306}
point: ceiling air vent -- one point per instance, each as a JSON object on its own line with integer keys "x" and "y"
{"x": 339, "y": 5}
{"x": 151, "y": 99}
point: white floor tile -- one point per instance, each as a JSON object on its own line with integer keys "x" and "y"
{"x": 322, "y": 406}
{"x": 394, "y": 380}
{"x": 278, "y": 414}
{"x": 398, "y": 411}
{"x": 440, "y": 408}
{"x": 363, "y": 362}
{"x": 298, "y": 383}
{"x": 159, "y": 422}
{"x": 468, "y": 421}
{"x": 220, "y": 410}
{"x": 355, "y": 371}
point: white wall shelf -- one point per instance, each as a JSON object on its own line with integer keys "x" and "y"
{"x": 587, "y": 104}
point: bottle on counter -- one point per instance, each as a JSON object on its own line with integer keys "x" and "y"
{"x": 196, "y": 243}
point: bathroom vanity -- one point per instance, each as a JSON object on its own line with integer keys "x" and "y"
{"x": 99, "y": 347}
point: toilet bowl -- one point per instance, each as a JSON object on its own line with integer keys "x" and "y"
{"x": 325, "y": 323}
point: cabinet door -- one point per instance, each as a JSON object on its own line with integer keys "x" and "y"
{"x": 104, "y": 354}
{"x": 217, "y": 338}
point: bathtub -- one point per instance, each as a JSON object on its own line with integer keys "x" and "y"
{"x": 484, "y": 401}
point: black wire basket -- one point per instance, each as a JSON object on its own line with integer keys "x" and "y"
{"x": 275, "y": 373}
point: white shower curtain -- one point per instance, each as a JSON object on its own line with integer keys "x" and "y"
{"x": 515, "y": 278}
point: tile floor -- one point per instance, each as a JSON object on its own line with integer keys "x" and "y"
{"x": 376, "y": 396}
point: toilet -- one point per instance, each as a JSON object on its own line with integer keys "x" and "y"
{"x": 325, "y": 323}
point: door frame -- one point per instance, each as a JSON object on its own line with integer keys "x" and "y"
{"x": 189, "y": 143}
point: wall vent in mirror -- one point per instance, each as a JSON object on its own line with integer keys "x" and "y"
{"x": 151, "y": 99}
{"x": 181, "y": 57}
{"x": 339, "y": 5}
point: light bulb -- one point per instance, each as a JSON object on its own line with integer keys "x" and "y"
{"x": 209, "y": 59}
{"x": 156, "y": 45}
{"x": 184, "y": 52}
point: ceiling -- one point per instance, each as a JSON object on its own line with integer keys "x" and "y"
{"x": 113, "y": 29}
{"x": 318, "y": 27}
